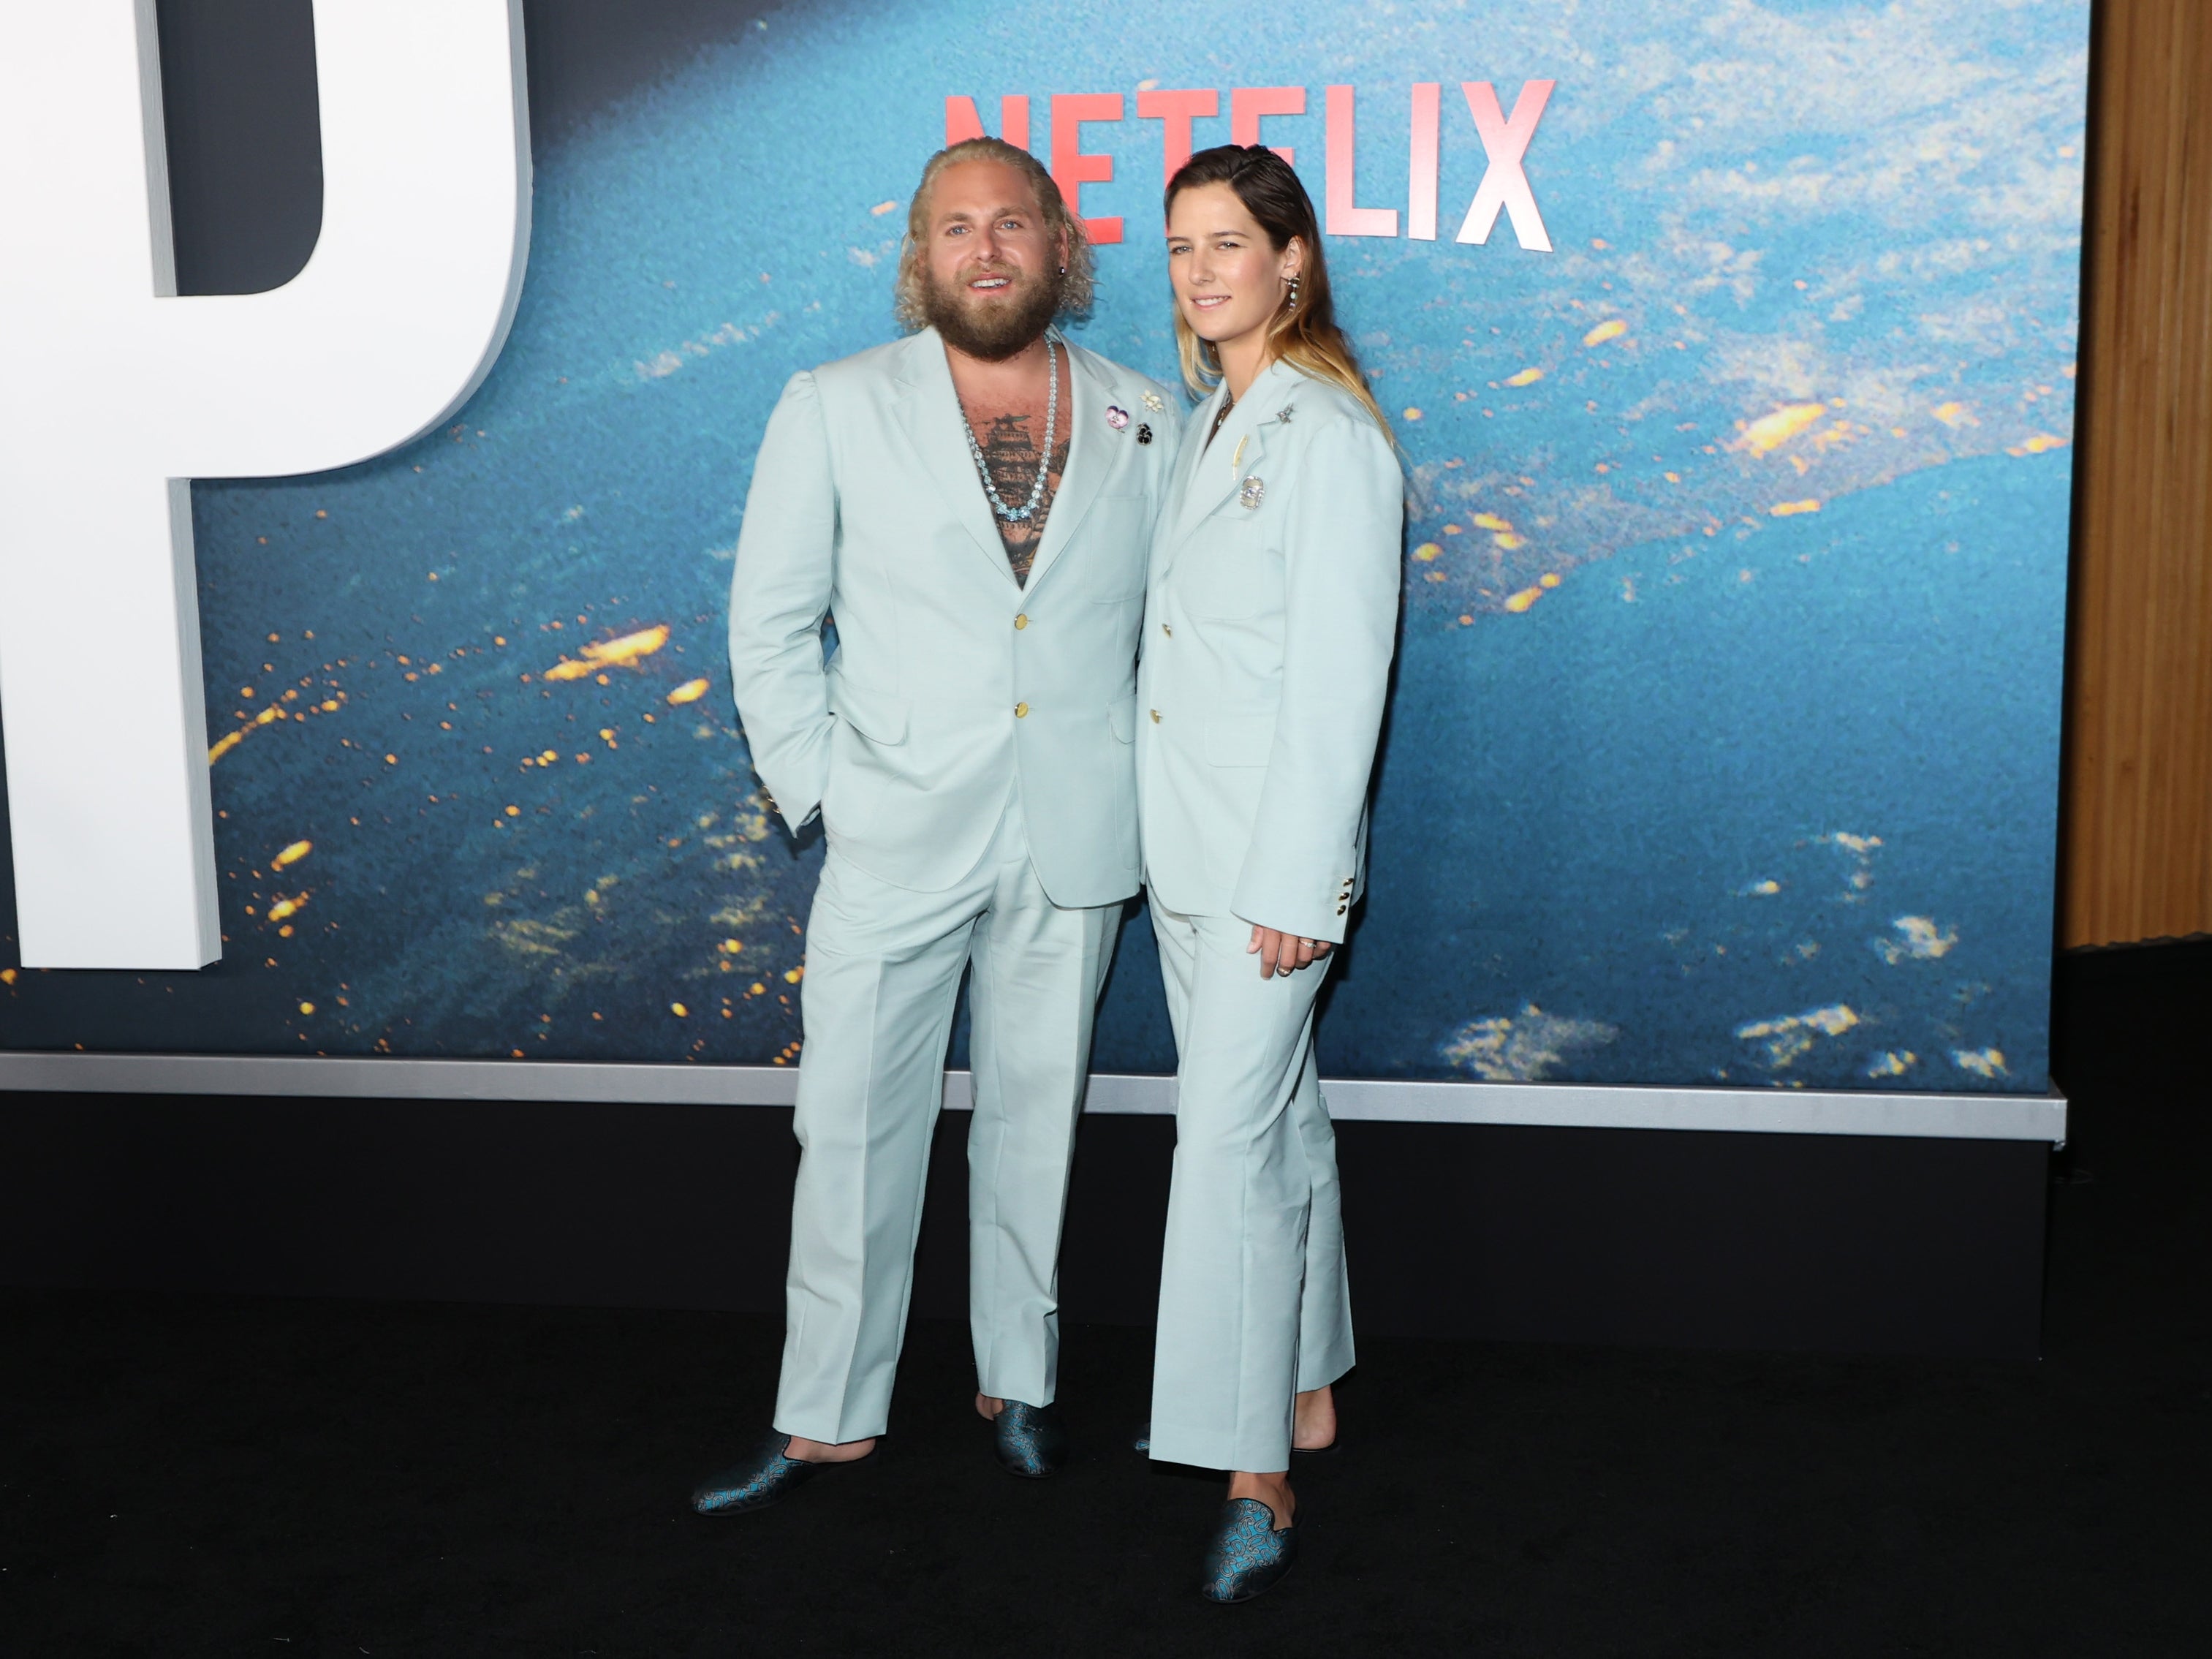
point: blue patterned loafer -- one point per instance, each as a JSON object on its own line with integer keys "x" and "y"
{"x": 1248, "y": 1553}
{"x": 1031, "y": 1440}
{"x": 760, "y": 1480}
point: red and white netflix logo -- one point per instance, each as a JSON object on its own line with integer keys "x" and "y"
{"x": 1504, "y": 138}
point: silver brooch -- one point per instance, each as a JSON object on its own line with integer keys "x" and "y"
{"x": 1254, "y": 491}
{"x": 1154, "y": 402}
{"x": 1116, "y": 416}
{"x": 1283, "y": 415}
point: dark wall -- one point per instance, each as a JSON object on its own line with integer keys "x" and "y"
{"x": 1558, "y": 1235}
{"x": 246, "y": 155}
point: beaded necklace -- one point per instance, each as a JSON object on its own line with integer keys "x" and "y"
{"x": 1017, "y": 515}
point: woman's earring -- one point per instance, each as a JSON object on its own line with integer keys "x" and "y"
{"x": 1294, "y": 294}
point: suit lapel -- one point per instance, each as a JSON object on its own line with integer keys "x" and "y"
{"x": 930, "y": 413}
{"x": 1089, "y": 458}
{"x": 1182, "y": 483}
{"x": 1224, "y": 465}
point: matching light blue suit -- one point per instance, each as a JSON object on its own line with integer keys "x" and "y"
{"x": 969, "y": 749}
{"x": 1270, "y": 622}
{"x": 984, "y": 756}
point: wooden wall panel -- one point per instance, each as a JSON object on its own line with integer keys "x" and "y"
{"x": 2138, "y": 805}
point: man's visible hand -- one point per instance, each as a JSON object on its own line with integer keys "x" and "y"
{"x": 1285, "y": 953}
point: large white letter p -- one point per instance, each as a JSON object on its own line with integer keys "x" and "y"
{"x": 115, "y": 394}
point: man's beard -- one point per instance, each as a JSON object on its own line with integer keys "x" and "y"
{"x": 992, "y": 330}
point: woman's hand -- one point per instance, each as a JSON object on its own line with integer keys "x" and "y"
{"x": 1285, "y": 953}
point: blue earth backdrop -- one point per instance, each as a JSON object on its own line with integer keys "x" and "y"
{"x": 1725, "y": 737}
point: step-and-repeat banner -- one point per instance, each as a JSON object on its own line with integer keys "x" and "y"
{"x": 1731, "y": 350}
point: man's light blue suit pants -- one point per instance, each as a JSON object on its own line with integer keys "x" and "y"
{"x": 1255, "y": 1307}
{"x": 883, "y": 970}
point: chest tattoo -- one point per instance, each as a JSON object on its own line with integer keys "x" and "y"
{"x": 1009, "y": 443}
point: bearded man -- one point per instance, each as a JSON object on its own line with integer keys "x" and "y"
{"x": 972, "y": 504}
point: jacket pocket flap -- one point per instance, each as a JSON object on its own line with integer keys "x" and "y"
{"x": 1239, "y": 739}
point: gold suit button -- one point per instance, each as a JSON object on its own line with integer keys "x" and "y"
{"x": 1165, "y": 629}
{"x": 1156, "y": 717}
{"x": 1022, "y": 621}
{"x": 1021, "y": 711}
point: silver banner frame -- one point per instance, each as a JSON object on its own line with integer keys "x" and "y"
{"x": 1559, "y": 1105}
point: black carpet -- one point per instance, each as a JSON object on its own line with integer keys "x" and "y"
{"x": 187, "y": 1475}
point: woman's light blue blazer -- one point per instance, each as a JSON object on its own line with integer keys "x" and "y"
{"x": 1271, "y": 616}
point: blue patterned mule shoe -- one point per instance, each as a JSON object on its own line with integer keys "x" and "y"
{"x": 760, "y": 1479}
{"x": 1248, "y": 1553}
{"x": 1031, "y": 1440}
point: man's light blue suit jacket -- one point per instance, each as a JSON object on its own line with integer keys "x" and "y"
{"x": 1272, "y": 619}
{"x": 951, "y": 683}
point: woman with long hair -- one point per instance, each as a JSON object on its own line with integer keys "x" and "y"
{"x": 1271, "y": 615}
